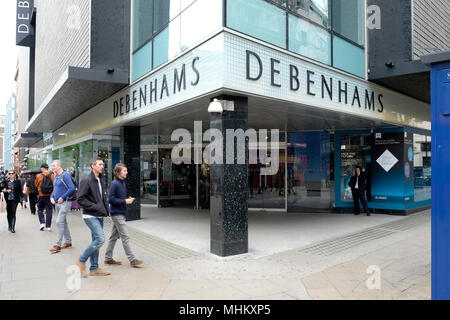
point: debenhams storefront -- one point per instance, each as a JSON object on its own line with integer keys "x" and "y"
{"x": 329, "y": 122}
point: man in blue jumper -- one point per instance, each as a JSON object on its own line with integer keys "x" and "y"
{"x": 63, "y": 187}
{"x": 118, "y": 201}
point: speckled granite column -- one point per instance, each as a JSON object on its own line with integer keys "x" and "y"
{"x": 130, "y": 149}
{"x": 229, "y": 188}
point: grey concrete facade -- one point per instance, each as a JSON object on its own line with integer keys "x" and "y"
{"x": 431, "y": 26}
{"x": 23, "y": 78}
{"x": 62, "y": 40}
{"x": 409, "y": 29}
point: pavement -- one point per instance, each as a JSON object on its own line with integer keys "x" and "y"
{"x": 390, "y": 259}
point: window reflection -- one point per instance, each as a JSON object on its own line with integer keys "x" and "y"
{"x": 315, "y": 10}
{"x": 348, "y": 19}
{"x": 176, "y": 27}
{"x": 422, "y": 167}
{"x": 309, "y": 40}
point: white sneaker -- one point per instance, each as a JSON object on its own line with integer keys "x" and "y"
{"x": 49, "y": 229}
{"x": 42, "y": 227}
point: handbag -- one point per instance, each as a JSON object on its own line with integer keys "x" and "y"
{"x": 2, "y": 202}
{"x": 26, "y": 190}
{"x": 72, "y": 196}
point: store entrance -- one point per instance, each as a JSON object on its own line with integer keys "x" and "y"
{"x": 177, "y": 183}
{"x": 182, "y": 185}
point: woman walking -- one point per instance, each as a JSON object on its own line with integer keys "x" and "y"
{"x": 33, "y": 192}
{"x": 24, "y": 200}
{"x": 13, "y": 195}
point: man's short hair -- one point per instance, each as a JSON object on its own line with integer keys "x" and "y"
{"x": 118, "y": 169}
{"x": 93, "y": 162}
{"x": 58, "y": 163}
{"x": 45, "y": 166}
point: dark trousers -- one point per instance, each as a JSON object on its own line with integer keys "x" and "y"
{"x": 360, "y": 195}
{"x": 44, "y": 203}
{"x": 33, "y": 201}
{"x": 11, "y": 208}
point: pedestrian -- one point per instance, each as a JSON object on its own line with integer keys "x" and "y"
{"x": 33, "y": 192}
{"x": 44, "y": 183}
{"x": 118, "y": 201}
{"x": 358, "y": 185}
{"x": 13, "y": 195}
{"x": 63, "y": 188}
{"x": 91, "y": 196}
{"x": 24, "y": 200}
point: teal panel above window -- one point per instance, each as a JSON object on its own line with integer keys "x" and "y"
{"x": 349, "y": 57}
{"x": 309, "y": 40}
{"x": 142, "y": 61}
{"x": 258, "y": 19}
{"x": 161, "y": 51}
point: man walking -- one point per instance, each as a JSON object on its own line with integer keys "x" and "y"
{"x": 118, "y": 201}
{"x": 92, "y": 198}
{"x": 358, "y": 185}
{"x": 44, "y": 183}
{"x": 63, "y": 188}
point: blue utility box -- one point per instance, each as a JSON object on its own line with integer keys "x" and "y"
{"x": 440, "y": 165}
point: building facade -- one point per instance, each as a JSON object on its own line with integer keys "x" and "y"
{"x": 10, "y": 129}
{"x": 116, "y": 78}
{"x": 2, "y": 141}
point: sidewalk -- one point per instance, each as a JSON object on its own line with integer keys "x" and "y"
{"x": 330, "y": 269}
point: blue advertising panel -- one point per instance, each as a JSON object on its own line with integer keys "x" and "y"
{"x": 408, "y": 165}
{"x": 388, "y": 170}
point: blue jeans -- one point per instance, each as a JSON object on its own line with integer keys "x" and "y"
{"x": 98, "y": 239}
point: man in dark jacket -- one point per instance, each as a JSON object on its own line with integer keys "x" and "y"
{"x": 119, "y": 200}
{"x": 92, "y": 198}
{"x": 358, "y": 185}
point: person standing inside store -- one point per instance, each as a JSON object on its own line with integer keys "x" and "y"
{"x": 44, "y": 183}
{"x": 118, "y": 201}
{"x": 358, "y": 185}
{"x": 63, "y": 188}
{"x": 13, "y": 195}
{"x": 33, "y": 192}
{"x": 91, "y": 196}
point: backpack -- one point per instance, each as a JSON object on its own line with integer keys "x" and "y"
{"x": 47, "y": 184}
{"x": 73, "y": 195}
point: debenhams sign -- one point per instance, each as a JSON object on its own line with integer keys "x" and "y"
{"x": 315, "y": 85}
{"x": 24, "y": 27}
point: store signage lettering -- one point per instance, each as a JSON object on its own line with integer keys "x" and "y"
{"x": 158, "y": 88}
{"x": 24, "y": 29}
{"x": 316, "y": 85}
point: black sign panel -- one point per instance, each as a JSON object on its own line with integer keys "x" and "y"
{"x": 24, "y": 26}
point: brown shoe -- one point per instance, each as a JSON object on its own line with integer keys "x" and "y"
{"x": 136, "y": 263}
{"x": 55, "y": 249}
{"x": 66, "y": 245}
{"x": 99, "y": 272}
{"x": 82, "y": 266}
{"x": 113, "y": 262}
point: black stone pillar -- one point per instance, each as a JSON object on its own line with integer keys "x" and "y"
{"x": 229, "y": 187}
{"x": 130, "y": 150}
